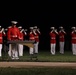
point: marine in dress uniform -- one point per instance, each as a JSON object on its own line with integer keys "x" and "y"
{"x": 13, "y": 34}
{"x": 53, "y": 34}
{"x": 32, "y": 38}
{"x": 37, "y": 33}
{"x": 22, "y": 34}
{"x": 2, "y": 33}
{"x": 61, "y": 39}
{"x": 73, "y": 40}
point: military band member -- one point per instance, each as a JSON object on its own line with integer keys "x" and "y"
{"x": 2, "y": 33}
{"x": 22, "y": 34}
{"x": 73, "y": 40}
{"x": 53, "y": 34}
{"x": 61, "y": 39}
{"x": 13, "y": 34}
{"x": 32, "y": 38}
{"x": 37, "y": 34}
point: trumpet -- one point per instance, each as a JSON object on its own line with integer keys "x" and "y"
{"x": 54, "y": 30}
{"x": 22, "y": 30}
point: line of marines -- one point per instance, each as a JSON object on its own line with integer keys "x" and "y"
{"x": 53, "y": 36}
{"x": 18, "y": 33}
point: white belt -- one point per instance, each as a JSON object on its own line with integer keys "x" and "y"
{"x": 52, "y": 38}
{"x": 14, "y": 36}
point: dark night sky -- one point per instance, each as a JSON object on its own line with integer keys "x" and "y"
{"x": 44, "y": 14}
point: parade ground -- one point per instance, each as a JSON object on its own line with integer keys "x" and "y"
{"x": 37, "y": 64}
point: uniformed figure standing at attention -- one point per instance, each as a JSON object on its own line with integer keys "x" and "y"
{"x": 20, "y": 46}
{"x": 13, "y": 35}
{"x": 61, "y": 39}
{"x": 31, "y": 38}
{"x": 37, "y": 33}
{"x": 73, "y": 40}
{"x": 53, "y": 34}
{"x": 2, "y": 33}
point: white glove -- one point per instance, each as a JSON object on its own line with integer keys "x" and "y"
{"x": 2, "y": 29}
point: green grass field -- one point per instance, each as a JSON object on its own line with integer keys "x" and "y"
{"x": 45, "y": 56}
{"x": 37, "y": 71}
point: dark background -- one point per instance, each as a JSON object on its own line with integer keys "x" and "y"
{"x": 44, "y": 14}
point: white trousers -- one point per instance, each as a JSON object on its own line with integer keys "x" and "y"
{"x": 62, "y": 47}
{"x": 13, "y": 50}
{"x": 74, "y": 49}
{"x": 31, "y": 50}
{"x": 36, "y": 47}
{"x": 52, "y": 48}
{"x": 20, "y": 48}
{"x": 0, "y": 50}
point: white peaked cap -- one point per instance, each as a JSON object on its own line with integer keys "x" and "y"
{"x": 31, "y": 27}
{"x": 52, "y": 28}
{"x": 0, "y": 26}
{"x": 61, "y": 27}
{"x": 20, "y": 27}
{"x": 14, "y": 22}
{"x": 35, "y": 26}
{"x": 73, "y": 27}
